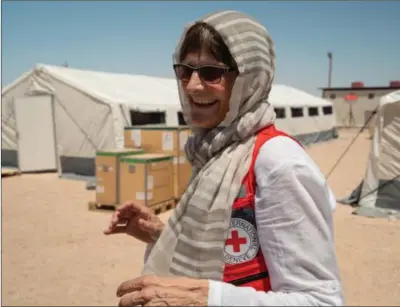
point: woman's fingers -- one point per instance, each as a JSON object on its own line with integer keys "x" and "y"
{"x": 115, "y": 217}
{"x": 127, "y": 206}
{"x": 129, "y": 216}
{"x": 121, "y": 226}
{"x": 131, "y": 207}
{"x": 146, "y": 225}
{"x": 115, "y": 230}
{"x": 113, "y": 222}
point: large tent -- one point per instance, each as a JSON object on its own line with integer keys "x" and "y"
{"x": 379, "y": 192}
{"x": 309, "y": 118}
{"x": 56, "y": 118}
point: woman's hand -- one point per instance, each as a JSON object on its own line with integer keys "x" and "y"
{"x": 138, "y": 221}
{"x": 163, "y": 291}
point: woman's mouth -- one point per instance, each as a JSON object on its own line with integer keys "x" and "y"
{"x": 202, "y": 103}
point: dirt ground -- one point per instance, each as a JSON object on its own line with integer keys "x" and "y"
{"x": 54, "y": 252}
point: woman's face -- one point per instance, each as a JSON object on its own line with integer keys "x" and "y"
{"x": 208, "y": 101}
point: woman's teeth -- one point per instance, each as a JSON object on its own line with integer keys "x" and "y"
{"x": 204, "y": 102}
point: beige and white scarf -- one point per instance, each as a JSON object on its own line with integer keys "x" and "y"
{"x": 192, "y": 243}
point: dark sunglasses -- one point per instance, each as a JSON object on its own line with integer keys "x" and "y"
{"x": 207, "y": 73}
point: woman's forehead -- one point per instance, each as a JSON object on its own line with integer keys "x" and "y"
{"x": 200, "y": 58}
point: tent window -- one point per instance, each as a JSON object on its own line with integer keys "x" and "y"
{"x": 297, "y": 112}
{"x": 181, "y": 119}
{"x": 327, "y": 110}
{"x": 147, "y": 118}
{"x": 313, "y": 111}
{"x": 280, "y": 112}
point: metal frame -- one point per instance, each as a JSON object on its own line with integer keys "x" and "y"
{"x": 16, "y": 133}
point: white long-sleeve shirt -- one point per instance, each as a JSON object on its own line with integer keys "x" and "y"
{"x": 293, "y": 209}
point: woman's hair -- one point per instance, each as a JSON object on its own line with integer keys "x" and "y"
{"x": 202, "y": 37}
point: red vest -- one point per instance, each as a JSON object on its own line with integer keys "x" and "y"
{"x": 244, "y": 261}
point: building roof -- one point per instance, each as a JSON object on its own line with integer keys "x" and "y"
{"x": 365, "y": 88}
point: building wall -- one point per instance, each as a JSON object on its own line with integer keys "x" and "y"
{"x": 362, "y": 108}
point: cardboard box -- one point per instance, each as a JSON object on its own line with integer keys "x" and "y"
{"x": 107, "y": 174}
{"x": 168, "y": 140}
{"x": 146, "y": 178}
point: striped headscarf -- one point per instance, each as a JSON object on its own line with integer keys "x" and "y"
{"x": 192, "y": 243}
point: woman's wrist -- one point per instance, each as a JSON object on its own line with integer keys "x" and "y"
{"x": 156, "y": 234}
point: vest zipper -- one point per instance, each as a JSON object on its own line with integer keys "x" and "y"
{"x": 248, "y": 279}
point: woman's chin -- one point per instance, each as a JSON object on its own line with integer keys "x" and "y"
{"x": 204, "y": 124}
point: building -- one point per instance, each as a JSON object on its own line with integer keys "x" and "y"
{"x": 355, "y": 105}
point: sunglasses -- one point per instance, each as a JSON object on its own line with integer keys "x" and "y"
{"x": 206, "y": 73}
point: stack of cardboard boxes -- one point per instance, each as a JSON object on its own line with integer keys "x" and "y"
{"x": 151, "y": 169}
{"x": 108, "y": 174}
{"x": 165, "y": 140}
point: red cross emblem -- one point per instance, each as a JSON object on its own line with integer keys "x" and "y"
{"x": 235, "y": 241}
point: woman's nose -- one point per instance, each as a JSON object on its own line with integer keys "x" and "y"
{"x": 194, "y": 83}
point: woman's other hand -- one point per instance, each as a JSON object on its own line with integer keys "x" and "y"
{"x": 137, "y": 221}
{"x": 163, "y": 291}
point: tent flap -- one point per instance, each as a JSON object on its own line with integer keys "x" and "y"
{"x": 379, "y": 193}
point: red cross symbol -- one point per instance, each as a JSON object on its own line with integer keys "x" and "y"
{"x": 235, "y": 241}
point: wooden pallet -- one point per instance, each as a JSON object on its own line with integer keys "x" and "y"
{"x": 95, "y": 206}
{"x": 7, "y": 172}
{"x": 164, "y": 206}
{"x": 157, "y": 209}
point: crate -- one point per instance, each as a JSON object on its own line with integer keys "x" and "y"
{"x": 107, "y": 174}
{"x": 146, "y": 179}
{"x": 167, "y": 140}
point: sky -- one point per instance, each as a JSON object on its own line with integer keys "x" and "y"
{"x": 139, "y": 37}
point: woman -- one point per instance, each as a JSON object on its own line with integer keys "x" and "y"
{"x": 254, "y": 227}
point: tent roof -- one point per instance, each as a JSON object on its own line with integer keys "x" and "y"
{"x": 147, "y": 92}
{"x": 133, "y": 90}
{"x": 284, "y": 95}
{"x": 392, "y": 97}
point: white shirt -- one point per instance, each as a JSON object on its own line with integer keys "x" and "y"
{"x": 294, "y": 223}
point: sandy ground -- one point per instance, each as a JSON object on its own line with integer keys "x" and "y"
{"x": 54, "y": 252}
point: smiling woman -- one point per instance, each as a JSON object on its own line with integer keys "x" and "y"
{"x": 254, "y": 227}
{"x": 207, "y": 72}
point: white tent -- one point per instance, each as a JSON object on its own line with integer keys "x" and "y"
{"x": 309, "y": 118}
{"x": 55, "y": 118}
{"x": 379, "y": 192}
{"x": 72, "y": 113}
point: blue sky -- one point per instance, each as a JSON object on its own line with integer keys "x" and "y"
{"x": 139, "y": 37}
